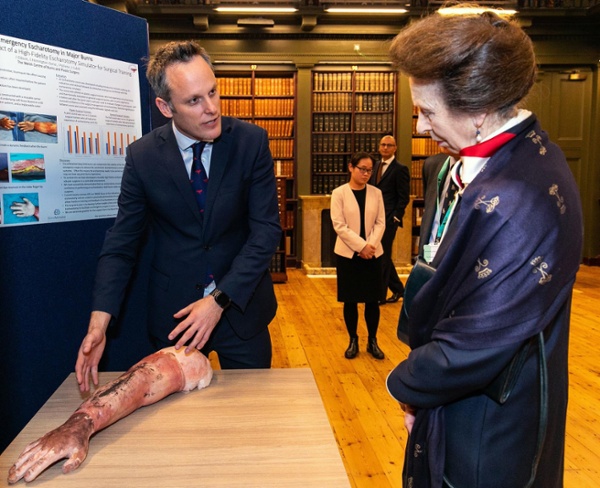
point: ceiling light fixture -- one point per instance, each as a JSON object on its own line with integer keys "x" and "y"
{"x": 257, "y": 10}
{"x": 255, "y": 22}
{"x": 474, "y": 11}
{"x": 345, "y": 10}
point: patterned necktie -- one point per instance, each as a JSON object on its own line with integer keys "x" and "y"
{"x": 199, "y": 177}
{"x": 199, "y": 181}
{"x": 380, "y": 172}
{"x": 449, "y": 195}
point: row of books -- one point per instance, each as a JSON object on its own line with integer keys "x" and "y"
{"x": 416, "y": 187}
{"x": 262, "y": 86}
{"x": 346, "y": 102}
{"x": 274, "y": 86}
{"x": 368, "y": 102}
{"x": 416, "y": 168}
{"x": 277, "y": 263}
{"x": 375, "y": 81}
{"x": 332, "y": 163}
{"x": 270, "y": 107}
{"x": 374, "y": 122}
{"x": 286, "y": 218}
{"x": 331, "y": 143}
{"x": 332, "y": 81}
{"x": 332, "y": 122}
{"x": 416, "y": 177}
{"x": 368, "y": 81}
{"x": 424, "y": 146}
{"x": 284, "y": 168}
{"x": 277, "y": 127}
{"x": 281, "y": 148}
{"x": 382, "y": 123}
{"x": 276, "y": 107}
{"x": 367, "y": 142}
{"x": 236, "y": 107}
{"x": 290, "y": 245}
{"x": 235, "y": 86}
{"x": 290, "y": 218}
{"x": 332, "y": 102}
{"x": 325, "y": 184}
{"x": 336, "y": 143}
{"x": 281, "y": 200}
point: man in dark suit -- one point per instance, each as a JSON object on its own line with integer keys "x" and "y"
{"x": 210, "y": 287}
{"x": 433, "y": 183}
{"x": 393, "y": 179}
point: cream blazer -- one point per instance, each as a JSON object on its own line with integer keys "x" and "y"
{"x": 345, "y": 215}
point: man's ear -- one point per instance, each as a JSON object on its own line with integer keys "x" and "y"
{"x": 164, "y": 107}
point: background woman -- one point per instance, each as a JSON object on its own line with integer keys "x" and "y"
{"x": 358, "y": 217}
{"x": 506, "y": 249}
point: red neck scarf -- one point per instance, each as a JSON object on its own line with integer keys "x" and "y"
{"x": 487, "y": 149}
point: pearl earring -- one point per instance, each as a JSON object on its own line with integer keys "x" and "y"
{"x": 478, "y": 137}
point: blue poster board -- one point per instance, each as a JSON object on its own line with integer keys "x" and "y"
{"x": 47, "y": 271}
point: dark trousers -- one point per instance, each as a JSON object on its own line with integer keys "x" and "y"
{"x": 233, "y": 352}
{"x": 390, "y": 277}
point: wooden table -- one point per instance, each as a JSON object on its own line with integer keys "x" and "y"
{"x": 261, "y": 428}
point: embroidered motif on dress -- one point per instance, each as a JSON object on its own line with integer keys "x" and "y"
{"x": 537, "y": 139}
{"x": 482, "y": 269}
{"x": 418, "y": 450}
{"x": 553, "y": 190}
{"x": 540, "y": 266}
{"x": 490, "y": 205}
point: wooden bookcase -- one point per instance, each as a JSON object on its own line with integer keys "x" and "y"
{"x": 422, "y": 147}
{"x": 267, "y": 96}
{"x": 351, "y": 111}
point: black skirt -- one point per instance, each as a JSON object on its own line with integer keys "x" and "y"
{"x": 358, "y": 280}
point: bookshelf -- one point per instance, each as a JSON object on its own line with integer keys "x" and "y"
{"x": 278, "y": 261}
{"x": 351, "y": 110}
{"x": 266, "y": 96}
{"x": 422, "y": 147}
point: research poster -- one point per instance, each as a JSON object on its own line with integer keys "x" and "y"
{"x": 66, "y": 118}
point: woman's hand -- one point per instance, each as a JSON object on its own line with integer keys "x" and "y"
{"x": 368, "y": 252}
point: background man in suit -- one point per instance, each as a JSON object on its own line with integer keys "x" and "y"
{"x": 393, "y": 179}
{"x": 210, "y": 287}
{"x": 435, "y": 179}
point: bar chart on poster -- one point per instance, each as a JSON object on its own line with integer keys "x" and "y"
{"x": 96, "y": 140}
{"x": 66, "y": 119}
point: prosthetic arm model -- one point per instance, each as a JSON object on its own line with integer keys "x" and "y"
{"x": 152, "y": 379}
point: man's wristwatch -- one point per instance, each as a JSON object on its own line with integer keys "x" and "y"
{"x": 221, "y": 298}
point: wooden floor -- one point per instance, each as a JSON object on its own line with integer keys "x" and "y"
{"x": 368, "y": 424}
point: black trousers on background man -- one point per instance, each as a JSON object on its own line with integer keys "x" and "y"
{"x": 390, "y": 277}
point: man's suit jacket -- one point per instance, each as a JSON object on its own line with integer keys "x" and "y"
{"x": 395, "y": 187}
{"x": 237, "y": 235}
{"x": 431, "y": 171}
{"x": 345, "y": 215}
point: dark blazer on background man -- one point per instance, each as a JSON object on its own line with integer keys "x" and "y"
{"x": 237, "y": 235}
{"x": 395, "y": 188}
{"x": 431, "y": 171}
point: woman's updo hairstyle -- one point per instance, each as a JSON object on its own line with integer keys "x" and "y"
{"x": 483, "y": 62}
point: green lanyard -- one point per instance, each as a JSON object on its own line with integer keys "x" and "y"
{"x": 451, "y": 206}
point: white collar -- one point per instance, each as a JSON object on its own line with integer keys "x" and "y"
{"x": 183, "y": 141}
